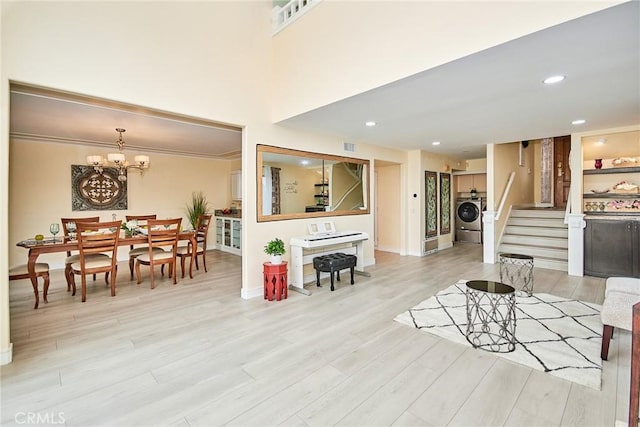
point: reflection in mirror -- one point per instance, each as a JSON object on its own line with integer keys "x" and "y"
{"x": 299, "y": 184}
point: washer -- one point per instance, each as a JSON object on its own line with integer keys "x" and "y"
{"x": 469, "y": 220}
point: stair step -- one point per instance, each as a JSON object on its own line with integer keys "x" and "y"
{"x": 550, "y": 264}
{"x": 535, "y": 251}
{"x": 537, "y": 213}
{"x": 537, "y": 231}
{"x": 539, "y": 240}
{"x": 536, "y": 222}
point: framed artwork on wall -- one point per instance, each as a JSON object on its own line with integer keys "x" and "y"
{"x": 431, "y": 203}
{"x": 445, "y": 203}
{"x": 95, "y": 191}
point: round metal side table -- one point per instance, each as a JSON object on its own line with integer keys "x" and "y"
{"x": 517, "y": 271}
{"x": 491, "y": 316}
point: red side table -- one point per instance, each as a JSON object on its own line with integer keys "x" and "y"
{"x": 275, "y": 281}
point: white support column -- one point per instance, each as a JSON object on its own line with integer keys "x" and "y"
{"x": 576, "y": 244}
{"x": 488, "y": 237}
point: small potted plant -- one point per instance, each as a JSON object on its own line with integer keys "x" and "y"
{"x": 474, "y": 193}
{"x": 275, "y": 248}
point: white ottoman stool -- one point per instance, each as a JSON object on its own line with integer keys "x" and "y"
{"x": 620, "y": 294}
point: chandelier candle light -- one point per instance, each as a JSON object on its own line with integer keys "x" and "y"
{"x": 141, "y": 162}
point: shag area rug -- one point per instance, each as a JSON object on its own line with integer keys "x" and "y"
{"x": 553, "y": 334}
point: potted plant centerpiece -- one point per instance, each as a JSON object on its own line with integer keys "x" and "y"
{"x": 275, "y": 248}
{"x": 199, "y": 206}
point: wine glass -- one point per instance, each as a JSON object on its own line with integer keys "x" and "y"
{"x": 71, "y": 228}
{"x": 54, "y": 229}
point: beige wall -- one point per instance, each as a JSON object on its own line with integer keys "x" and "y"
{"x": 479, "y": 165}
{"x": 388, "y": 207}
{"x": 506, "y": 161}
{"x": 297, "y": 187}
{"x": 437, "y": 163}
{"x": 40, "y": 189}
{"x": 343, "y": 48}
{"x": 610, "y": 146}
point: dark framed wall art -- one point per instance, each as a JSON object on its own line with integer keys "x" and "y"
{"x": 431, "y": 203}
{"x": 95, "y": 191}
{"x": 445, "y": 203}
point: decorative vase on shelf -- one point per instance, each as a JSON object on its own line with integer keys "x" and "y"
{"x": 598, "y": 163}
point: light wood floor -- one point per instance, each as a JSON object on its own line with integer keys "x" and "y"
{"x": 196, "y": 354}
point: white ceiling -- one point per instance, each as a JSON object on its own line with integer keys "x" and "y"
{"x": 492, "y": 96}
{"x": 497, "y": 95}
{"x": 49, "y": 115}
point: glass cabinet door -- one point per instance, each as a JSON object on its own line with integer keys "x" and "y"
{"x": 219, "y": 231}
{"x": 237, "y": 233}
{"x": 227, "y": 232}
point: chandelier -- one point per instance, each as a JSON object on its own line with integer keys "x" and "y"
{"x": 118, "y": 160}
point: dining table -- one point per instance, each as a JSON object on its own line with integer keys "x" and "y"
{"x": 65, "y": 243}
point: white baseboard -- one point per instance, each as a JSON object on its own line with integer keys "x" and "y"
{"x": 309, "y": 278}
{"x": 251, "y": 293}
{"x": 6, "y": 356}
{"x": 388, "y": 249}
{"x": 446, "y": 245}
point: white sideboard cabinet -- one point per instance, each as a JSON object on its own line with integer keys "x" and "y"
{"x": 229, "y": 234}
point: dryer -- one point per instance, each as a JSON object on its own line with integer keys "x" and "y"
{"x": 469, "y": 220}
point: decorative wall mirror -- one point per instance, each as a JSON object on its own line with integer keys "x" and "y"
{"x": 295, "y": 184}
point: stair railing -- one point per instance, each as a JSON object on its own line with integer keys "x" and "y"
{"x": 283, "y": 16}
{"x": 512, "y": 176}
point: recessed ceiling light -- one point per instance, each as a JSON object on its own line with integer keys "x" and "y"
{"x": 553, "y": 79}
{"x": 304, "y": 162}
{"x": 370, "y": 123}
{"x": 435, "y": 143}
{"x": 578, "y": 122}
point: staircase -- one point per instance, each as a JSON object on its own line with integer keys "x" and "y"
{"x": 540, "y": 233}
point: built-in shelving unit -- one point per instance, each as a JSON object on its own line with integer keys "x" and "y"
{"x": 600, "y": 203}
{"x": 612, "y": 230}
{"x": 322, "y": 194}
{"x": 611, "y": 170}
{"x": 610, "y": 195}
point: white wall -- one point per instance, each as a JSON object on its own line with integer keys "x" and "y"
{"x": 343, "y": 48}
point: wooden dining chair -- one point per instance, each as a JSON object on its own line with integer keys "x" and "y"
{"x": 75, "y": 257}
{"x": 136, "y": 250}
{"x": 202, "y": 230}
{"x": 95, "y": 238}
{"x": 161, "y": 234}
{"x": 42, "y": 270}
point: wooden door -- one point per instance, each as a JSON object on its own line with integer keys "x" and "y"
{"x": 562, "y": 174}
